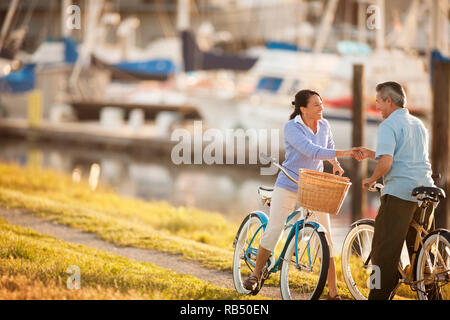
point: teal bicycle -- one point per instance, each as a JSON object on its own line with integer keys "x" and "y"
{"x": 303, "y": 260}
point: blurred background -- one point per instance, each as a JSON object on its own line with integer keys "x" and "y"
{"x": 97, "y": 87}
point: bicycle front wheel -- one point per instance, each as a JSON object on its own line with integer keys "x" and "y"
{"x": 246, "y": 250}
{"x": 355, "y": 251}
{"x": 304, "y": 266}
{"x": 433, "y": 267}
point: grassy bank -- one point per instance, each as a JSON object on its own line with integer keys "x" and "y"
{"x": 195, "y": 234}
{"x": 33, "y": 266}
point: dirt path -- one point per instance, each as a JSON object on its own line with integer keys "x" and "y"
{"x": 161, "y": 259}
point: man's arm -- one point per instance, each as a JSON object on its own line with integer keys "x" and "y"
{"x": 383, "y": 167}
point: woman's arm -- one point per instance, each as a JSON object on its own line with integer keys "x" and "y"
{"x": 344, "y": 153}
{"x": 366, "y": 152}
{"x": 302, "y": 144}
{"x": 297, "y": 139}
{"x": 336, "y": 166}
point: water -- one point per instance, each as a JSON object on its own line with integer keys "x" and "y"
{"x": 228, "y": 189}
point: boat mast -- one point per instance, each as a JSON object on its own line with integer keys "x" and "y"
{"x": 325, "y": 25}
{"x": 7, "y": 24}
{"x": 409, "y": 28}
{"x": 439, "y": 26}
{"x": 380, "y": 30}
{"x": 94, "y": 8}
{"x": 65, "y": 31}
{"x": 183, "y": 10}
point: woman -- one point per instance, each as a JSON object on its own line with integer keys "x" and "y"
{"x": 308, "y": 141}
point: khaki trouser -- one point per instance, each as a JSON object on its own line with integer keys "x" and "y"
{"x": 282, "y": 205}
{"x": 392, "y": 228}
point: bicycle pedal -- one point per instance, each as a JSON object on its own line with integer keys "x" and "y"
{"x": 258, "y": 287}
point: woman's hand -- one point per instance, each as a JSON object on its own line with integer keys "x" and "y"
{"x": 337, "y": 168}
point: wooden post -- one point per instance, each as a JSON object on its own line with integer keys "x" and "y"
{"x": 359, "y": 168}
{"x": 440, "y": 152}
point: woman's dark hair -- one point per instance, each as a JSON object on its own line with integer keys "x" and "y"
{"x": 301, "y": 100}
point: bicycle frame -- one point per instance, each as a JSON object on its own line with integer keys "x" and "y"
{"x": 421, "y": 233}
{"x": 295, "y": 228}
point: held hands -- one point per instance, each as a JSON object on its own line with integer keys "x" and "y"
{"x": 360, "y": 153}
{"x": 357, "y": 153}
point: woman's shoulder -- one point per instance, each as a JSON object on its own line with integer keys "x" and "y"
{"x": 293, "y": 128}
{"x": 291, "y": 123}
{"x": 324, "y": 122}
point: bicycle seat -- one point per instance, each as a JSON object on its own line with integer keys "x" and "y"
{"x": 265, "y": 192}
{"x": 266, "y": 189}
{"x": 432, "y": 193}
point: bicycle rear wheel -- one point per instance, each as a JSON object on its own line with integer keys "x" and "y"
{"x": 355, "y": 251}
{"x": 304, "y": 279}
{"x": 433, "y": 267}
{"x": 246, "y": 250}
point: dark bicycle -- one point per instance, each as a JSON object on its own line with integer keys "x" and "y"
{"x": 426, "y": 271}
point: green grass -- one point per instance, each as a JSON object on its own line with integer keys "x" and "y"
{"x": 198, "y": 235}
{"x": 33, "y": 266}
{"x": 195, "y": 234}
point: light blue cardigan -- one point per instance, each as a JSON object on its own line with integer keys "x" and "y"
{"x": 304, "y": 149}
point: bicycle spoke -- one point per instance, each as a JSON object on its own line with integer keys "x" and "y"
{"x": 436, "y": 252}
{"x": 360, "y": 247}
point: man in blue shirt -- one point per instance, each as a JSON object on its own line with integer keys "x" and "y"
{"x": 402, "y": 154}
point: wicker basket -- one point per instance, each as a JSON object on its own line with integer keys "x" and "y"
{"x": 322, "y": 192}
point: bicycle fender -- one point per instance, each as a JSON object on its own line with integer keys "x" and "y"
{"x": 440, "y": 231}
{"x": 316, "y": 226}
{"x": 262, "y": 216}
{"x": 363, "y": 221}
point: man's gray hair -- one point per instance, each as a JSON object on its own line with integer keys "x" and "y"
{"x": 394, "y": 91}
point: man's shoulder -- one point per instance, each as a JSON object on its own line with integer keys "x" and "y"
{"x": 388, "y": 124}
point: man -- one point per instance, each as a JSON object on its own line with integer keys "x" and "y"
{"x": 402, "y": 154}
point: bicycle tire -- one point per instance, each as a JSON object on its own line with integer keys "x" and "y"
{"x": 356, "y": 286}
{"x": 429, "y": 289}
{"x": 285, "y": 287}
{"x": 239, "y": 244}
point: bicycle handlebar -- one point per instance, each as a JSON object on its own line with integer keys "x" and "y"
{"x": 377, "y": 187}
{"x": 276, "y": 164}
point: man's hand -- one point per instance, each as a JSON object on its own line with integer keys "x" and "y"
{"x": 368, "y": 183}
